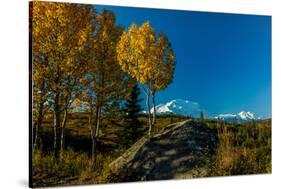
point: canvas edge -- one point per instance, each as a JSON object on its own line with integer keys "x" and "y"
{"x": 30, "y": 181}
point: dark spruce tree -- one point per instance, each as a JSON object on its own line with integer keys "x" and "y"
{"x": 131, "y": 129}
{"x": 202, "y": 119}
{"x": 234, "y": 121}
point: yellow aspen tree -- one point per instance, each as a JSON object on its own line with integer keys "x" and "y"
{"x": 148, "y": 57}
{"x": 60, "y": 35}
{"x": 38, "y": 86}
{"x": 163, "y": 68}
{"x": 39, "y": 98}
{"x": 105, "y": 81}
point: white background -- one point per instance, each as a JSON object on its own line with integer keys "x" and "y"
{"x": 14, "y": 92}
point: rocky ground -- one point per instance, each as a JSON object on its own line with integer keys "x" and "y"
{"x": 179, "y": 151}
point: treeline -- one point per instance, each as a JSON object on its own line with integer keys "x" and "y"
{"x": 80, "y": 56}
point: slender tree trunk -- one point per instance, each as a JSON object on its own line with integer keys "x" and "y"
{"x": 37, "y": 125}
{"x": 154, "y": 110}
{"x": 57, "y": 128}
{"x": 57, "y": 135}
{"x": 62, "y": 139}
{"x": 91, "y": 126}
{"x": 94, "y": 141}
{"x": 94, "y": 132}
{"x": 98, "y": 122}
{"x": 149, "y": 115}
{"x": 34, "y": 134}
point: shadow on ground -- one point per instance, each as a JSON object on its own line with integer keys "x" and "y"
{"x": 177, "y": 152}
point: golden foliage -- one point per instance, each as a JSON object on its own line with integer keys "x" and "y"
{"x": 61, "y": 33}
{"x": 146, "y": 56}
{"x": 105, "y": 78}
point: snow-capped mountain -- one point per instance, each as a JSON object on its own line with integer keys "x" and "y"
{"x": 246, "y": 115}
{"x": 240, "y": 117}
{"x": 190, "y": 108}
{"x": 225, "y": 117}
{"x": 181, "y": 107}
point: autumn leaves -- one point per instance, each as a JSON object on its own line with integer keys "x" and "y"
{"x": 148, "y": 57}
{"x": 61, "y": 39}
{"x": 81, "y": 55}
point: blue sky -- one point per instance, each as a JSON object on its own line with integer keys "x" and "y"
{"x": 223, "y": 60}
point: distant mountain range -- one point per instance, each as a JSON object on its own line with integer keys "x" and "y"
{"x": 190, "y": 108}
{"x": 181, "y": 107}
{"x": 240, "y": 117}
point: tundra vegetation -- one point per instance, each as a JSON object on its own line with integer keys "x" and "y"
{"x": 87, "y": 72}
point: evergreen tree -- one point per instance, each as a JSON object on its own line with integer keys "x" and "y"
{"x": 131, "y": 129}
{"x": 234, "y": 121}
{"x": 202, "y": 117}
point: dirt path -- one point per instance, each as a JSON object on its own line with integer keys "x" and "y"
{"x": 179, "y": 151}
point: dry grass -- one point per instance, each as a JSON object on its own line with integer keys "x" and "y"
{"x": 242, "y": 150}
{"x": 73, "y": 168}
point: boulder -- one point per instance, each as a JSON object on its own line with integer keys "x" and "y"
{"x": 179, "y": 151}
